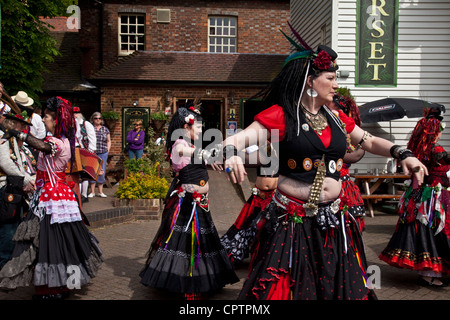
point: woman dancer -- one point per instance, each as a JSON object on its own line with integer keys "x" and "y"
{"x": 186, "y": 255}
{"x": 421, "y": 238}
{"x": 54, "y": 249}
{"x": 310, "y": 247}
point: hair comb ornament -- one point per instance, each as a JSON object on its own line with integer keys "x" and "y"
{"x": 195, "y": 107}
{"x": 321, "y": 60}
{"x": 190, "y": 111}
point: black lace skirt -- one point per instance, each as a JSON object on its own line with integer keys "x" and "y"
{"x": 186, "y": 255}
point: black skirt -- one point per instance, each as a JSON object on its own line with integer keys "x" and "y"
{"x": 51, "y": 254}
{"x": 186, "y": 255}
{"x": 308, "y": 260}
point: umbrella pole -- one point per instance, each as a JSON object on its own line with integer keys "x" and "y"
{"x": 390, "y": 130}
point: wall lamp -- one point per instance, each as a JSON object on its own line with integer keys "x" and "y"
{"x": 168, "y": 95}
{"x": 232, "y": 97}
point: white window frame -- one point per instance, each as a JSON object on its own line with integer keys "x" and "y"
{"x": 222, "y": 34}
{"x": 130, "y": 34}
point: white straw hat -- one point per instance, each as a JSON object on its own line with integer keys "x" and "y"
{"x": 22, "y": 98}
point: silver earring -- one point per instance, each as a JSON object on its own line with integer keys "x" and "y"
{"x": 311, "y": 92}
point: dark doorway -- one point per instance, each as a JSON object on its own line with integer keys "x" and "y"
{"x": 249, "y": 109}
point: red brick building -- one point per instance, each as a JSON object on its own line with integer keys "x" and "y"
{"x": 160, "y": 53}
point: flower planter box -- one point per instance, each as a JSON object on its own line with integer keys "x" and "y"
{"x": 143, "y": 209}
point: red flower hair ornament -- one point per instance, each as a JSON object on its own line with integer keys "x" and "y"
{"x": 322, "y": 61}
{"x": 190, "y": 119}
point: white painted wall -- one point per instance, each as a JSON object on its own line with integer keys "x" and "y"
{"x": 423, "y": 58}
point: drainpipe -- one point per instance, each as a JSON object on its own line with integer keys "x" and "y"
{"x": 101, "y": 36}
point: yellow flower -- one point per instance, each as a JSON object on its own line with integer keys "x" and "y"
{"x": 142, "y": 186}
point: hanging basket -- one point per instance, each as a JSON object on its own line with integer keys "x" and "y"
{"x": 111, "y": 124}
{"x": 158, "y": 124}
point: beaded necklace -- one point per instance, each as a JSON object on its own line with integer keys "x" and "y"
{"x": 317, "y": 121}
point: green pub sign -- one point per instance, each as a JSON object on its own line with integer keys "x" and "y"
{"x": 129, "y": 116}
{"x": 376, "y": 50}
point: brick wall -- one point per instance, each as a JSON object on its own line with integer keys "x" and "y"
{"x": 258, "y": 27}
{"x": 148, "y": 96}
{"x": 258, "y": 32}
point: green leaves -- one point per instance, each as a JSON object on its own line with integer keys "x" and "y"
{"x": 26, "y": 43}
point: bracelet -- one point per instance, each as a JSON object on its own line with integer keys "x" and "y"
{"x": 394, "y": 151}
{"x": 229, "y": 151}
{"x": 363, "y": 139}
{"x": 400, "y": 153}
{"x": 405, "y": 153}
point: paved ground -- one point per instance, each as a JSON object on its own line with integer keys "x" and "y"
{"x": 126, "y": 244}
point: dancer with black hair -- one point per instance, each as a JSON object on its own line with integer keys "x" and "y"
{"x": 310, "y": 247}
{"x": 54, "y": 249}
{"x": 421, "y": 240}
{"x": 186, "y": 256}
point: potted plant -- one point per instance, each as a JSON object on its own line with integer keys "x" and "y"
{"x": 146, "y": 184}
{"x": 111, "y": 118}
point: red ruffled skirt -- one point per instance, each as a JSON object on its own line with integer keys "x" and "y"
{"x": 356, "y": 203}
{"x": 241, "y": 235}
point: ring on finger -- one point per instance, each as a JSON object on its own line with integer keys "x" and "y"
{"x": 229, "y": 169}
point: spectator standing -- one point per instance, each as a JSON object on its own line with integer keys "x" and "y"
{"x": 87, "y": 139}
{"x": 103, "y": 147}
{"x": 135, "y": 140}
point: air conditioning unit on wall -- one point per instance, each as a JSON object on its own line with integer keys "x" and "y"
{"x": 163, "y": 15}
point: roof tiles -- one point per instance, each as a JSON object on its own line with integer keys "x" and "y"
{"x": 193, "y": 67}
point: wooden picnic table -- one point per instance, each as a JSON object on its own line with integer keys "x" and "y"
{"x": 368, "y": 192}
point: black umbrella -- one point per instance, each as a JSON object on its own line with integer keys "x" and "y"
{"x": 395, "y": 108}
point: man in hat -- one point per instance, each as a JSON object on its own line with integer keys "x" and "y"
{"x": 86, "y": 138}
{"x": 13, "y": 164}
{"x": 23, "y": 100}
